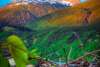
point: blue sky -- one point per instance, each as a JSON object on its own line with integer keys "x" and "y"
{"x": 5, "y": 2}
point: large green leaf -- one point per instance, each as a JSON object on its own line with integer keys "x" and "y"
{"x": 18, "y": 50}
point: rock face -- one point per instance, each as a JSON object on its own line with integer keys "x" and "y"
{"x": 17, "y": 14}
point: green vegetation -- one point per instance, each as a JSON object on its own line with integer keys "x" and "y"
{"x": 56, "y": 44}
{"x": 3, "y": 62}
{"x": 52, "y": 45}
{"x": 18, "y": 50}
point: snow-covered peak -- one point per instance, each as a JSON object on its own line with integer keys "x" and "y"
{"x": 67, "y": 3}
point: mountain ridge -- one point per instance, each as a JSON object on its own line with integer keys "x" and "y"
{"x": 83, "y": 14}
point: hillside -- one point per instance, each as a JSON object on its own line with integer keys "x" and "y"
{"x": 86, "y": 13}
{"x": 19, "y": 14}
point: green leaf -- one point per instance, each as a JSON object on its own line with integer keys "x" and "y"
{"x": 34, "y": 53}
{"x": 18, "y": 50}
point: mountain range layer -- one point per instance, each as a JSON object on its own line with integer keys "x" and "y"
{"x": 81, "y": 15}
{"x": 15, "y": 14}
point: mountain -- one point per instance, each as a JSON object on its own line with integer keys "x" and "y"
{"x": 80, "y": 15}
{"x": 17, "y": 14}
{"x": 74, "y": 2}
{"x": 74, "y": 16}
{"x": 52, "y": 37}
